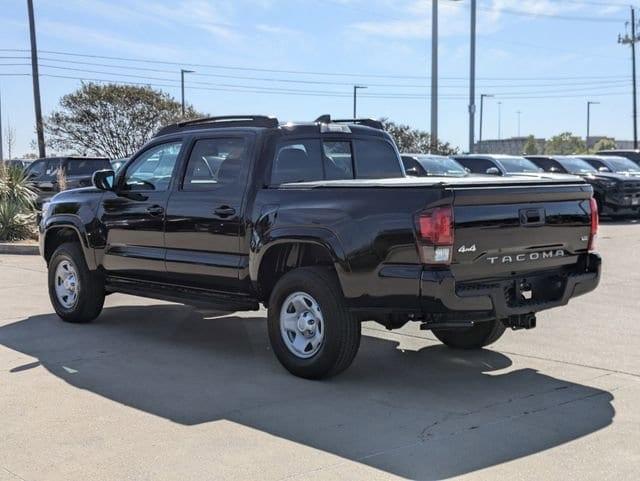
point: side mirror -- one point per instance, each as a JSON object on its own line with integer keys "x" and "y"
{"x": 604, "y": 169}
{"x": 104, "y": 179}
{"x": 412, "y": 172}
{"x": 467, "y": 170}
{"x": 554, "y": 169}
{"x": 493, "y": 171}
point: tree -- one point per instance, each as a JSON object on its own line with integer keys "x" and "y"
{"x": 564, "y": 144}
{"x": 10, "y": 138}
{"x": 111, "y": 120}
{"x": 413, "y": 140}
{"x": 530, "y": 147}
{"x": 605, "y": 143}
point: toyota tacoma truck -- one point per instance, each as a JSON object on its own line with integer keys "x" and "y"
{"x": 318, "y": 222}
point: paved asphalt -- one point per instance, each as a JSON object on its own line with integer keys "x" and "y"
{"x": 157, "y": 391}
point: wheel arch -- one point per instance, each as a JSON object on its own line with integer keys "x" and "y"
{"x": 59, "y": 231}
{"x": 291, "y": 250}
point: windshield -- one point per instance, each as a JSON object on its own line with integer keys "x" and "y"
{"x": 441, "y": 166}
{"x": 518, "y": 165}
{"x": 622, "y": 164}
{"x": 576, "y": 166}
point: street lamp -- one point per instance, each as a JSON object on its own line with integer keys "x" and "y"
{"x": 355, "y": 96}
{"x": 182, "y": 72}
{"x": 482, "y": 97}
{"x": 519, "y": 112}
{"x": 589, "y": 104}
{"x": 499, "y": 120}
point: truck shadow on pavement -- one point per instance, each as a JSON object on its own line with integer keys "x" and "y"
{"x": 431, "y": 413}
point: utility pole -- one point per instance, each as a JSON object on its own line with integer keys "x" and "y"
{"x": 589, "y": 104}
{"x": 482, "y": 97}
{"x": 472, "y": 78}
{"x": 36, "y": 81}
{"x": 499, "y": 120}
{"x": 1, "y": 141}
{"x": 182, "y": 72}
{"x": 631, "y": 40}
{"x": 519, "y": 113}
{"x": 355, "y": 99}
{"x": 434, "y": 76}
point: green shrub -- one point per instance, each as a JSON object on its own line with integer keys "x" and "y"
{"x": 17, "y": 199}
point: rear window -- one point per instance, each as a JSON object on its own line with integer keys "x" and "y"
{"x": 86, "y": 167}
{"x": 376, "y": 159}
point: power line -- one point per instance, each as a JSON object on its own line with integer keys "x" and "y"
{"x": 303, "y": 72}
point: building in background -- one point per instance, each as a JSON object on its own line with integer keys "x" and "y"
{"x": 515, "y": 145}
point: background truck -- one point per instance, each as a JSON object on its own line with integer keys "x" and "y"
{"x": 318, "y": 222}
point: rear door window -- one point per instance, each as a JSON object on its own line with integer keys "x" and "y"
{"x": 376, "y": 159}
{"x": 214, "y": 162}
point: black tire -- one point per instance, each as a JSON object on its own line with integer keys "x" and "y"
{"x": 341, "y": 330}
{"x": 90, "y": 286}
{"x": 476, "y": 337}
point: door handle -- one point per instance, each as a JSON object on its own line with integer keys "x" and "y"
{"x": 224, "y": 211}
{"x": 155, "y": 210}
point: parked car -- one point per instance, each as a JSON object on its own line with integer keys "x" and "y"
{"x": 428, "y": 165}
{"x": 611, "y": 163}
{"x": 629, "y": 154}
{"x": 317, "y": 222}
{"x": 497, "y": 164}
{"x": 616, "y": 194}
{"x": 77, "y": 172}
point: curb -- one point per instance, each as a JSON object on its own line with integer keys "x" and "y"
{"x": 17, "y": 248}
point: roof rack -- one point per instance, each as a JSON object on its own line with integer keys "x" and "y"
{"x": 221, "y": 121}
{"x": 373, "y": 123}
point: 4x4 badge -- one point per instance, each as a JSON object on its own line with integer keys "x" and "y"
{"x": 464, "y": 249}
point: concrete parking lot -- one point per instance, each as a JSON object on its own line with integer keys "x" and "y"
{"x": 158, "y": 391}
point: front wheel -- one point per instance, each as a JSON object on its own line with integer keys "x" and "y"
{"x": 76, "y": 293}
{"x": 312, "y": 333}
{"x": 476, "y": 337}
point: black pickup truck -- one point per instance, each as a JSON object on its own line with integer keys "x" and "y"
{"x": 318, "y": 222}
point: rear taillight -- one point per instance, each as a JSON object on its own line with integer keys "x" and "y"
{"x": 594, "y": 224}
{"x": 435, "y": 235}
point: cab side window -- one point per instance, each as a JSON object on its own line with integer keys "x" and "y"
{"x": 376, "y": 159}
{"x": 297, "y": 161}
{"x": 153, "y": 169}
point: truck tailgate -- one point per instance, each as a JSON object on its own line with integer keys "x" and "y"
{"x": 510, "y": 230}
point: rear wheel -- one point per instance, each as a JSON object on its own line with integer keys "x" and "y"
{"x": 312, "y": 333}
{"x": 476, "y": 337}
{"x": 76, "y": 293}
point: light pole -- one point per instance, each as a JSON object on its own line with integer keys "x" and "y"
{"x": 434, "y": 76}
{"x": 1, "y": 141}
{"x": 589, "y": 104}
{"x": 472, "y": 78}
{"x": 499, "y": 120}
{"x": 519, "y": 113}
{"x": 355, "y": 99}
{"x": 182, "y": 72}
{"x": 482, "y": 97}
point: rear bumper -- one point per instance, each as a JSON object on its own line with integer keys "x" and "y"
{"x": 500, "y": 299}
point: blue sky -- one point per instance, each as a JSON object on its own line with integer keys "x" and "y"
{"x": 544, "y": 58}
